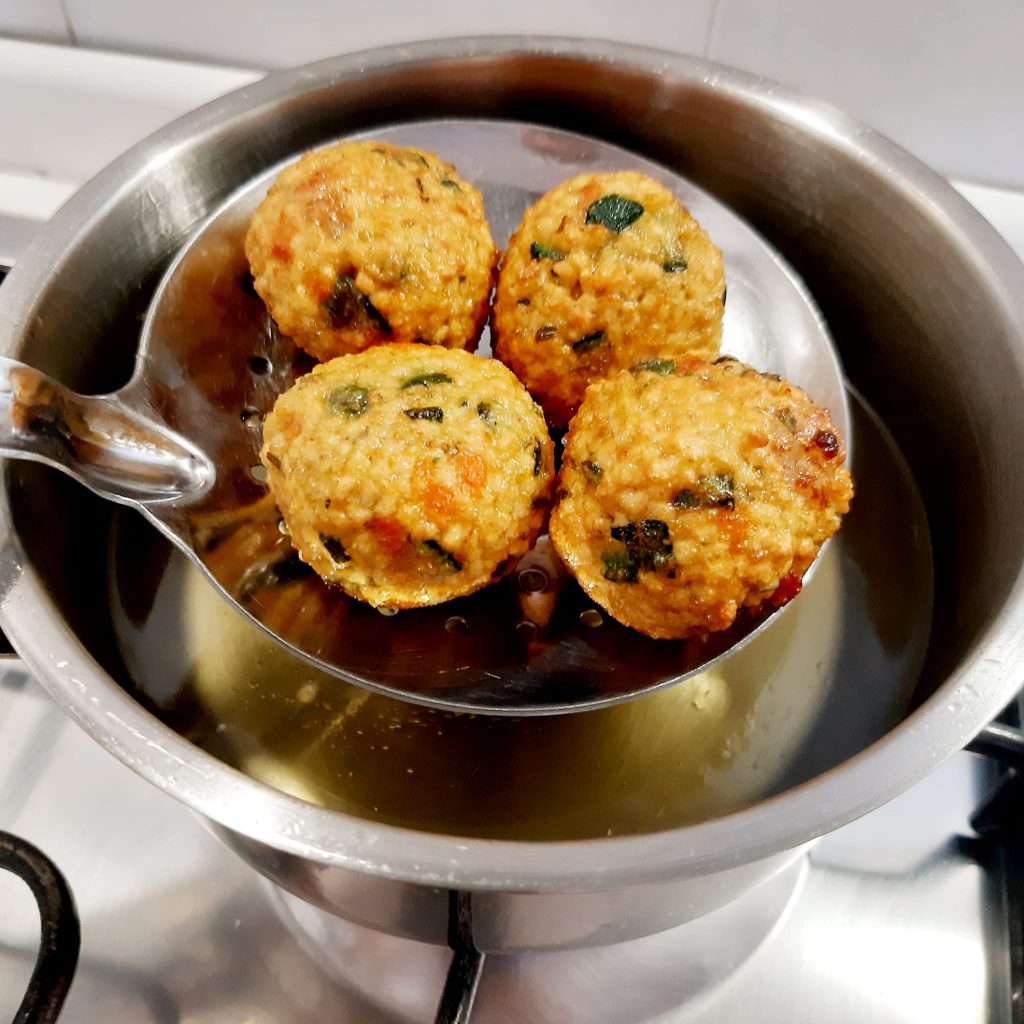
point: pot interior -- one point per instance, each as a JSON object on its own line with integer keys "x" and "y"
{"x": 834, "y": 674}
{"x": 921, "y": 570}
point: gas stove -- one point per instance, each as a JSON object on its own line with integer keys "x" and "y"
{"x": 912, "y": 914}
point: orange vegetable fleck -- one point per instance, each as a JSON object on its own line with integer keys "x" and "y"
{"x": 388, "y": 533}
{"x": 472, "y": 472}
{"x": 437, "y": 500}
{"x": 736, "y": 528}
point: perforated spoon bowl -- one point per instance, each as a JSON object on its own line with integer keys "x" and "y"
{"x": 180, "y": 443}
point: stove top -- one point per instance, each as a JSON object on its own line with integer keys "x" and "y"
{"x": 905, "y": 915}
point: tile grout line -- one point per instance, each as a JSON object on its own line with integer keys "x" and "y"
{"x": 69, "y": 24}
{"x": 716, "y": 6}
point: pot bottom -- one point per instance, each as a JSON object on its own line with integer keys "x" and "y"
{"x": 629, "y": 981}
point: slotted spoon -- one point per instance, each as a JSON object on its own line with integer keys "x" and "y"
{"x": 180, "y": 444}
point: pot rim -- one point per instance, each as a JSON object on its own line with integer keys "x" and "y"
{"x": 971, "y": 696}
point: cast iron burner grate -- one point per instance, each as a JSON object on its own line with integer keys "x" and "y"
{"x": 60, "y": 937}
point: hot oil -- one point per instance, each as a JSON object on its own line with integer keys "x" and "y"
{"x": 833, "y": 673}
{"x": 619, "y": 769}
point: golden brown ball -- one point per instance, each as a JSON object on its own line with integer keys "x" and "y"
{"x": 362, "y": 243}
{"x": 603, "y": 270}
{"x": 690, "y": 491}
{"x": 409, "y": 475}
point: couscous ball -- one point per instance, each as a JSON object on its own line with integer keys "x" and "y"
{"x": 603, "y": 270}
{"x": 362, "y": 243}
{"x": 409, "y": 475}
{"x": 691, "y": 490}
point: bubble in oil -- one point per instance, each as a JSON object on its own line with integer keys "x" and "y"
{"x": 307, "y": 692}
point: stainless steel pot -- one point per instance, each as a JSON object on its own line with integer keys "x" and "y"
{"x": 927, "y": 306}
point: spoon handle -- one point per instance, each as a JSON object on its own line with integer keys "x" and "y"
{"x": 113, "y": 450}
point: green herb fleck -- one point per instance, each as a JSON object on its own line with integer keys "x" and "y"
{"x": 714, "y": 491}
{"x": 484, "y": 411}
{"x": 718, "y": 489}
{"x": 335, "y": 549}
{"x": 645, "y": 545}
{"x": 349, "y": 400}
{"x": 615, "y": 212}
{"x": 787, "y": 418}
{"x": 589, "y": 341}
{"x": 686, "y": 498}
{"x": 662, "y": 557}
{"x": 450, "y": 183}
{"x": 674, "y": 265}
{"x": 725, "y": 292}
{"x": 424, "y": 380}
{"x": 438, "y": 553}
{"x": 591, "y": 470}
{"x": 546, "y": 332}
{"x": 627, "y": 534}
{"x": 664, "y": 367}
{"x": 540, "y": 251}
{"x": 418, "y": 158}
{"x": 347, "y": 306}
{"x": 538, "y": 458}
{"x": 620, "y": 566}
{"x": 430, "y": 412}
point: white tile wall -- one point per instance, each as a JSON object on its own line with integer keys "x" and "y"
{"x": 272, "y": 33}
{"x": 35, "y": 19}
{"x": 945, "y": 78}
{"x": 66, "y": 112}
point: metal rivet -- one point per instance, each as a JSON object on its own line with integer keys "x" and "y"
{"x": 260, "y": 365}
{"x": 533, "y": 581}
{"x": 592, "y": 618}
{"x": 456, "y": 624}
{"x": 258, "y": 473}
{"x": 250, "y": 416}
{"x": 528, "y": 631}
{"x": 388, "y": 611}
